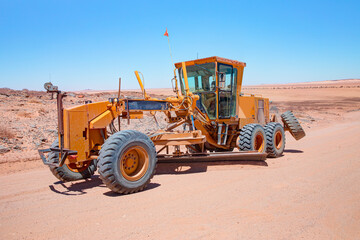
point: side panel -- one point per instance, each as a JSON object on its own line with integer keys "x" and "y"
{"x": 253, "y": 110}
{"x": 247, "y": 107}
{"x": 77, "y": 135}
{"x": 75, "y": 124}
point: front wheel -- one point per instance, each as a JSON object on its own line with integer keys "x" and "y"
{"x": 72, "y": 171}
{"x": 127, "y": 161}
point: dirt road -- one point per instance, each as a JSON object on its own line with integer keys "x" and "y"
{"x": 312, "y": 192}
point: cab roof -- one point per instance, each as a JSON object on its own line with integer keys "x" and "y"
{"x": 212, "y": 59}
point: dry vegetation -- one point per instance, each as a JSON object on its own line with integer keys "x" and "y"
{"x": 6, "y": 133}
{"x": 24, "y": 114}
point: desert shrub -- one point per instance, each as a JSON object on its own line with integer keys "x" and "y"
{"x": 34, "y": 101}
{"x": 6, "y": 133}
{"x": 43, "y": 111}
{"x": 24, "y": 114}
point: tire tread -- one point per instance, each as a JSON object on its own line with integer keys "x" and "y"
{"x": 293, "y": 124}
{"x": 106, "y": 160}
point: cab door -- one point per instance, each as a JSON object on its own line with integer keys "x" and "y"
{"x": 226, "y": 91}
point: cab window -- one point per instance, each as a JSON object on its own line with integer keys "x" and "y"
{"x": 202, "y": 81}
{"x": 227, "y": 90}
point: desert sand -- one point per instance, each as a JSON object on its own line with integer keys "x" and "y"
{"x": 311, "y": 192}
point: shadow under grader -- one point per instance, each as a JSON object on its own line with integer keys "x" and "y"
{"x": 78, "y": 187}
{"x": 293, "y": 151}
{"x": 148, "y": 187}
{"x": 184, "y": 167}
{"x": 198, "y": 167}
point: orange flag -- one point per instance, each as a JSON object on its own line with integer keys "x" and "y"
{"x": 166, "y": 33}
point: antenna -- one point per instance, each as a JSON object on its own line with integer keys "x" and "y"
{"x": 167, "y": 35}
{"x": 172, "y": 61}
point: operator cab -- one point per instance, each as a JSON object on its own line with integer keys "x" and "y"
{"x": 215, "y": 80}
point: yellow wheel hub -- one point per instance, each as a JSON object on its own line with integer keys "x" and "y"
{"x": 259, "y": 142}
{"x": 131, "y": 162}
{"x": 278, "y": 139}
{"x": 134, "y": 163}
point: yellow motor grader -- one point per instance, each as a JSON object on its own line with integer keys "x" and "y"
{"x": 207, "y": 118}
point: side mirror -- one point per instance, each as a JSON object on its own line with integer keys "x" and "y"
{"x": 49, "y": 87}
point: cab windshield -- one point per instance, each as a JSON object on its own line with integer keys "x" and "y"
{"x": 202, "y": 81}
{"x": 201, "y": 78}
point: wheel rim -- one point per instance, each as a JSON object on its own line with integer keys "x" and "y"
{"x": 79, "y": 166}
{"x": 134, "y": 163}
{"x": 259, "y": 142}
{"x": 278, "y": 139}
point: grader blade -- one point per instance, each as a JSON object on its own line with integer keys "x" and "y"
{"x": 213, "y": 157}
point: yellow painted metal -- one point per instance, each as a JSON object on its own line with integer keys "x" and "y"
{"x": 141, "y": 85}
{"x": 134, "y": 163}
{"x": 75, "y": 123}
{"x": 136, "y": 114}
{"x": 259, "y": 142}
{"x": 204, "y": 131}
{"x": 212, "y": 59}
{"x": 131, "y": 163}
{"x": 278, "y": 140}
{"x": 94, "y": 109}
{"x": 77, "y": 133}
{"x": 103, "y": 120}
{"x": 245, "y": 121}
{"x": 248, "y": 109}
{"x": 185, "y": 79}
{"x": 96, "y": 139}
{"x": 240, "y": 73}
{"x": 174, "y": 139}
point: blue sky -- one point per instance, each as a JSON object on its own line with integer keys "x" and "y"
{"x": 89, "y": 44}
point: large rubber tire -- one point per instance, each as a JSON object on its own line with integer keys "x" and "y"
{"x": 120, "y": 149}
{"x": 65, "y": 173}
{"x": 275, "y": 137}
{"x": 252, "y": 138}
{"x": 291, "y": 122}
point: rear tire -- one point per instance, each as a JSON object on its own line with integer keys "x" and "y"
{"x": 275, "y": 137}
{"x": 66, "y": 173}
{"x": 127, "y": 161}
{"x": 252, "y": 138}
{"x": 291, "y": 123}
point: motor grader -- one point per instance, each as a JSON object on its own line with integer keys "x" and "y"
{"x": 207, "y": 119}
